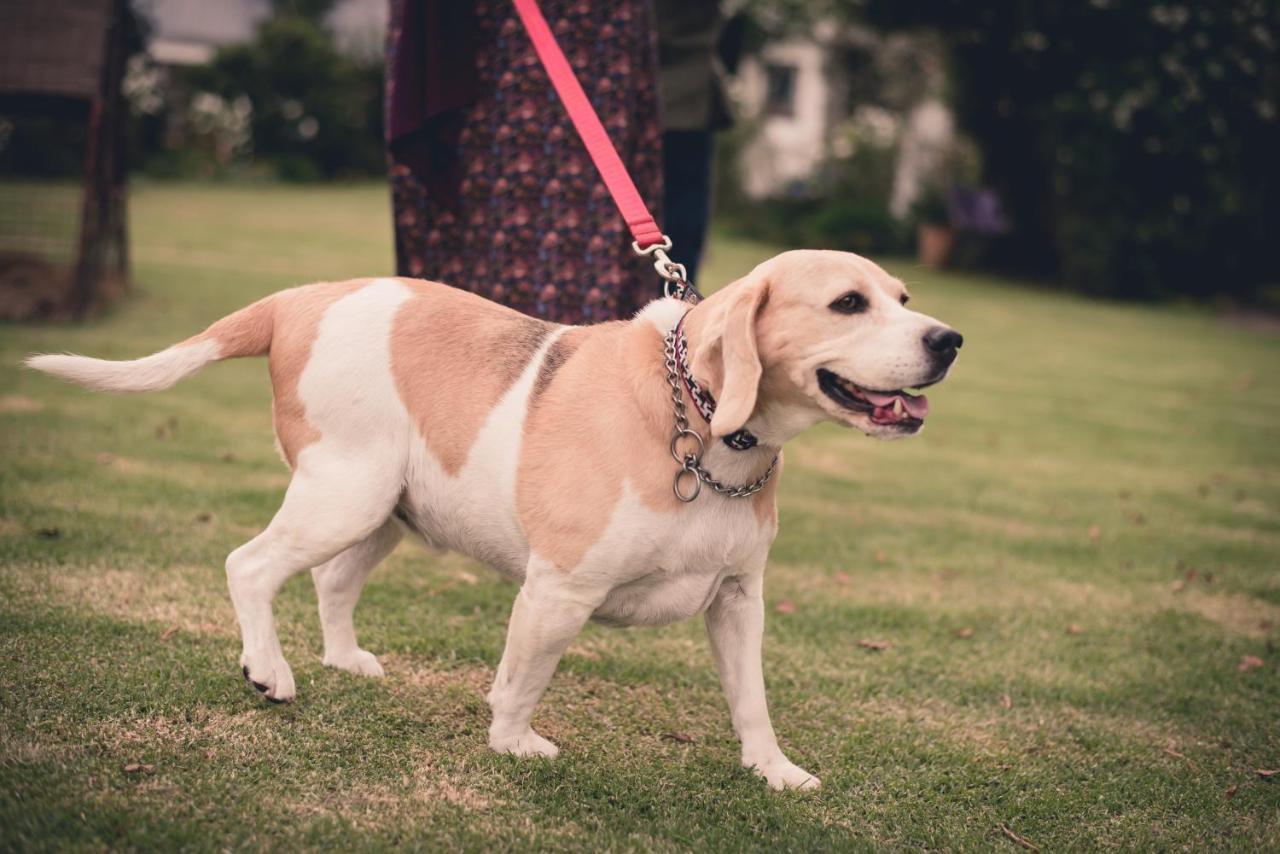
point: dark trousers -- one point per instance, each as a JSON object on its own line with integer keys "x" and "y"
{"x": 686, "y": 200}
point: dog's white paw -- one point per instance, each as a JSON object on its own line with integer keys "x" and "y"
{"x": 528, "y": 744}
{"x": 783, "y": 774}
{"x": 357, "y": 661}
{"x": 273, "y": 680}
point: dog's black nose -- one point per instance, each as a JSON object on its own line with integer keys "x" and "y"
{"x": 943, "y": 343}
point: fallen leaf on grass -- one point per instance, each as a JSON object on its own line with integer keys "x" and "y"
{"x": 1231, "y": 792}
{"x": 1266, "y": 773}
{"x": 965, "y": 633}
{"x": 1179, "y": 585}
{"x": 1025, "y": 843}
{"x": 786, "y": 606}
{"x": 168, "y": 633}
{"x": 1006, "y": 701}
{"x": 1249, "y": 662}
{"x": 139, "y": 768}
{"x": 1074, "y": 629}
{"x": 1175, "y": 754}
{"x": 467, "y": 577}
{"x": 874, "y": 645}
{"x": 680, "y": 737}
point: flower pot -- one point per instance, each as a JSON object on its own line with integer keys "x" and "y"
{"x": 934, "y": 243}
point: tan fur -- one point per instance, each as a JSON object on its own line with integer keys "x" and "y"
{"x": 724, "y": 355}
{"x": 574, "y": 460}
{"x": 246, "y": 332}
{"x": 453, "y": 355}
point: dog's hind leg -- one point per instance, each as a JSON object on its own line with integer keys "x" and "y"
{"x": 338, "y": 584}
{"x": 333, "y": 502}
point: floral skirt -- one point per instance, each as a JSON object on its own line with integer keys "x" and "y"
{"x": 532, "y": 225}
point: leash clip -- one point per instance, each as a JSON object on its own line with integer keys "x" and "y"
{"x": 675, "y": 276}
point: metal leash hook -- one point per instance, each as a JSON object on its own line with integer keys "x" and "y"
{"x": 675, "y": 277}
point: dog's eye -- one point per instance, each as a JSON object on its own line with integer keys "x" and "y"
{"x": 851, "y": 303}
{"x": 904, "y": 299}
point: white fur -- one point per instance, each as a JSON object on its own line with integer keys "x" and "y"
{"x": 474, "y": 512}
{"x": 150, "y": 373}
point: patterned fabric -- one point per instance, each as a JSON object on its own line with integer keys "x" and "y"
{"x": 533, "y": 226}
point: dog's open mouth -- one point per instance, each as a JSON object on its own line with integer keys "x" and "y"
{"x": 884, "y": 407}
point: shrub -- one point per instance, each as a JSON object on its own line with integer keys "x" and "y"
{"x": 1132, "y": 142}
{"x": 314, "y": 112}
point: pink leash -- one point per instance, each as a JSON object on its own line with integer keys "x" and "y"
{"x": 649, "y": 239}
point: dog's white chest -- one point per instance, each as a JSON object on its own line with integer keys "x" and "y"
{"x": 668, "y": 567}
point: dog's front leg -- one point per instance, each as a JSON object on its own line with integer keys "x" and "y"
{"x": 735, "y": 624}
{"x": 548, "y": 613}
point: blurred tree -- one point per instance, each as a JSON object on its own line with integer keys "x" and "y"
{"x": 1134, "y": 143}
{"x": 316, "y": 113}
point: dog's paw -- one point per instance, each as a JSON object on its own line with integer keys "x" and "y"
{"x": 528, "y": 744}
{"x": 275, "y": 682}
{"x": 358, "y": 661}
{"x": 782, "y": 774}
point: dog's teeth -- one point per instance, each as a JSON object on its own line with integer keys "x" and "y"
{"x": 897, "y": 406}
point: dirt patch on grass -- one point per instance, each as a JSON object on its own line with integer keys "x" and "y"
{"x": 19, "y": 403}
{"x": 1002, "y": 732}
{"x": 1238, "y": 614}
{"x": 423, "y": 791}
{"x": 141, "y": 739}
{"x": 168, "y": 597}
{"x": 211, "y": 730}
{"x": 408, "y": 675}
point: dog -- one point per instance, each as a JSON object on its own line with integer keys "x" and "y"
{"x": 623, "y": 472}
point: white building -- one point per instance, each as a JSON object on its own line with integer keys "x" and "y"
{"x": 796, "y": 96}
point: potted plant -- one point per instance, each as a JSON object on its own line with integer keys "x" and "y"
{"x": 935, "y": 237}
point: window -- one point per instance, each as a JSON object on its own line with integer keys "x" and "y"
{"x": 780, "y": 90}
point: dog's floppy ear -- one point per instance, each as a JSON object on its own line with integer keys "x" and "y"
{"x": 729, "y": 353}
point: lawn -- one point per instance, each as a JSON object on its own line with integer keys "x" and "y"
{"x": 1074, "y": 568}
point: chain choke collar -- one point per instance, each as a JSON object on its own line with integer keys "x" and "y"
{"x": 678, "y": 374}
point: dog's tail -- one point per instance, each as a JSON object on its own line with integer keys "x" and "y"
{"x": 246, "y": 332}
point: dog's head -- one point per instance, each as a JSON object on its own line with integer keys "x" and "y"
{"x": 816, "y": 335}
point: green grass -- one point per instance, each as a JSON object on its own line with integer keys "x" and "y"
{"x": 1070, "y": 565}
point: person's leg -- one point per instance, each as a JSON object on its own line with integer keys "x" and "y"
{"x": 686, "y": 205}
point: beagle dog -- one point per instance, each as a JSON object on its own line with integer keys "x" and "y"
{"x": 553, "y": 454}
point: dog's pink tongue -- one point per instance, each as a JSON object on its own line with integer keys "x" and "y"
{"x": 917, "y": 406}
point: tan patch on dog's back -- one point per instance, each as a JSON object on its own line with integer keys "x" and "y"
{"x": 593, "y": 424}
{"x": 453, "y": 356}
{"x": 557, "y": 354}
